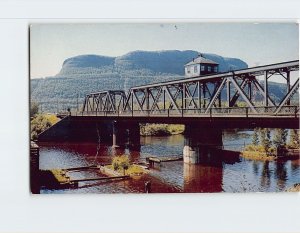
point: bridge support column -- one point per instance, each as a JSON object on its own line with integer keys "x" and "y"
{"x": 124, "y": 133}
{"x": 114, "y": 134}
{"x": 134, "y": 134}
{"x": 196, "y": 139}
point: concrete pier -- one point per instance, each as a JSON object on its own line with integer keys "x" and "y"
{"x": 124, "y": 133}
{"x": 134, "y": 135}
{"x": 114, "y": 134}
{"x": 197, "y": 139}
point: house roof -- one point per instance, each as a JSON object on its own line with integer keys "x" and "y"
{"x": 201, "y": 60}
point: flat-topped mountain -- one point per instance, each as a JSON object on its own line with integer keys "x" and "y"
{"x": 142, "y": 63}
{"x": 84, "y": 74}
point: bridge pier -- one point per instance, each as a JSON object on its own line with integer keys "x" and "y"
{"x": 134, "y": 135}
{"x": 197, "y": 138}
{"x": 114, "y": 135}
{"x": 125, "y": 133}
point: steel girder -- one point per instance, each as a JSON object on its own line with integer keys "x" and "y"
{"x": 104, "y": 101}
{"x": 200, "y": 93}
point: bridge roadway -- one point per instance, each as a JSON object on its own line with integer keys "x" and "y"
{"x": 240, "y": 117}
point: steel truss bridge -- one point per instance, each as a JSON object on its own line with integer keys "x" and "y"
{"x": 201, "y": 96}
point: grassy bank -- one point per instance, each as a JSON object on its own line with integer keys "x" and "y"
{"x": 258, "y": 153}
{"x": 271, "y": 154}
{"x": 161, "y": 129}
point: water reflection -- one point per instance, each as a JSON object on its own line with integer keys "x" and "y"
{"x": 202, "y": 178}
{"x": 255, "y": 165}
{"x": 281, "y": 175}
{"x": 218, "y": 171}
{"x": 265, "y": 175}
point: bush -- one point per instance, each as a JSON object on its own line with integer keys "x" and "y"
{"x": 40, "y": 123}
{"x": 120, "y": 163}
{"x": 160, "y": 129}
{"x": 251, "y": 148}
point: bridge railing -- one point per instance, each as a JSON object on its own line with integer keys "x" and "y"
{"x": 192, "y": 112}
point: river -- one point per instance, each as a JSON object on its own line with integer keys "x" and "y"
{"x": 217, "y": 174}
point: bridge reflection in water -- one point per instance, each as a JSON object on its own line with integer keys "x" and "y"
{"x": 214, "y": 173}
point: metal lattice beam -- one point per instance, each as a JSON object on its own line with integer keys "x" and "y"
{"x": 198, "y": 93}
{"x": 288, "y": 96}
{"x": 242, "y": 93}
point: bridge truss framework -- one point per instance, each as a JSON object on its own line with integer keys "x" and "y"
{"x": 203, "y": 95}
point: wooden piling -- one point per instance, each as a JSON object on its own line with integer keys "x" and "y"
{"x": 34, "y": 168}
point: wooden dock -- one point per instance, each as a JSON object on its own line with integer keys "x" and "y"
{"x": 159, "y": 160}
{"x": 73, "y": 169}
{"x": 34, "y": 168}
{"x": 60, "y": 179}
{"x": 100, "y": 178}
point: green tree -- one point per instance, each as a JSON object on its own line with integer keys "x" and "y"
{"x": 34, "y": 109}
{"x": 280, "y": 137}
{"x": 255, "y": 139}
{"x": 294, "y": 138}
{"x": 121, "y": 162}
{"x": 265, "y": 139}
{"x": 38, "y": 125}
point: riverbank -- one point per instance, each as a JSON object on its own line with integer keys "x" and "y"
{"x": 259, "y": 153}
{"x": 161, "y": 129}
{"x": 254, "y": 155}
{"x": 295, "y": 188}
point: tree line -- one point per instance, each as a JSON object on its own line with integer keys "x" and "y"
{"x": 262, "y": 138}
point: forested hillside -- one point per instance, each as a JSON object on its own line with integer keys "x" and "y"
{"x": 84, "y": 74}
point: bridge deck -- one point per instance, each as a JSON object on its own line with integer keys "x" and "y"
{"x": 219, "y": 121}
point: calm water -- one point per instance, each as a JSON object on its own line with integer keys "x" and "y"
{"x": 214, "y": 174}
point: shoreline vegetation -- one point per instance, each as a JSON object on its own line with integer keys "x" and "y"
{"x": 294, "y": 188}
{"x": 161, "y": 129}
{"x": 267, "y": 148}
{"x": 39, "y": 122}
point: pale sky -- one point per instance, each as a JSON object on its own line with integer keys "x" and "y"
{"x": 255, "y": 43}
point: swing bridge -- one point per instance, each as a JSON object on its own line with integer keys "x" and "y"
{"x": 235, "y": 94}
{"x": 206, "y": 105}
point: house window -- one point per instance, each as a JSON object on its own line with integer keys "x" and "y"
{"x": 216, "y": 69}
{"x": 188, "y": 69}
{"x": 209, "y": 69}
{"x": 202, "y": 68}
{"x": 195, "y": 69}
